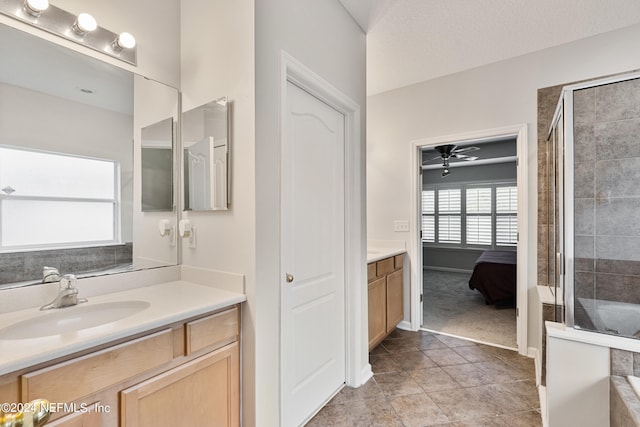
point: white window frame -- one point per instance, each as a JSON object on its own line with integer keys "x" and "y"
{"x": 115, "y": 201}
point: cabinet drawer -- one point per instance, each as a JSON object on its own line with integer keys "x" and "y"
{"x": 76, "y": 378}
{"x": 371, "y": 272}
{"x": 385, "y": 266}
{"x": 218, "y": 329}
{"x": 399, "y": 261}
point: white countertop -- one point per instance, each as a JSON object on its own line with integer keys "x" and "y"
{"x": 169, "y": 302}
{"x": 378, "y": 253}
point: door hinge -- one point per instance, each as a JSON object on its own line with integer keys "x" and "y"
{"x": 517, "y": 311}
{"x": 421, "y": 297}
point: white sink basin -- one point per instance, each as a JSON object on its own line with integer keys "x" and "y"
{"x": 71, "y": 319}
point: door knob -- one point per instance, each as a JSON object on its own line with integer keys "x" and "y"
{"x": 289, "y": 278}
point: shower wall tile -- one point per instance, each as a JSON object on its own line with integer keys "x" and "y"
{"x": 614, "y": 287}
{"x": 617, "y": 178}
{"x": 542, "y": 272}
{"x": 617, "y": 248}
{"x": 584, "y": 143}
{"x": 584, "y": 247}
{"x": 618, "y": 101}
{"x": 584, "y": 216}
{"x": 618, "y": 216}
{"x": 621, "y": 362}
{"x": 636, "y": 364}
{"x": 584, "y": 106}
{"x": 584, "y": 180}
{"x": 584, "y": 285}
{"x": 584, "y": 264}
{"x": 629, "y": 268}
{"x": 617, "y": 140}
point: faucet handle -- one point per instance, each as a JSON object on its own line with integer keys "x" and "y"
{"x": 68, "y": 281}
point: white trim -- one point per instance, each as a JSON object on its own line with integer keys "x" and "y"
{"x": 292, "y": 70}
{"x": 415, "y": 246}
{"x": 561, "y": 331}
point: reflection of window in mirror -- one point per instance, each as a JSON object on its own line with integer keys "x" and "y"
{"x": 57, "y": 200}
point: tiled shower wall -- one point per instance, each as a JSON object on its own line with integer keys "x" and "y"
{"x": 607, "y": 189}
{"x": 607, "y": 192}
{"x": 27, "y": 266}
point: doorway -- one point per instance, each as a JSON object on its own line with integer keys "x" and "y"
{"x": 463, "y": 218}
{"x": 323, "y": 279}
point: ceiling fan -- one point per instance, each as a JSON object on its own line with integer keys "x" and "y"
{"x": 449, "y": 151}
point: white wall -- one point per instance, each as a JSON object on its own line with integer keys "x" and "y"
{"x": 492, "y": 96}
{"x": 217, "y": 59}
{"x": 322, "y": 36}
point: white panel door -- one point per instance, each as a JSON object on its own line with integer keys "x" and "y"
{"x": 313, "y": 241}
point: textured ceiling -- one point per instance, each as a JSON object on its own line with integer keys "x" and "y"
{"x": 409, "y": 41}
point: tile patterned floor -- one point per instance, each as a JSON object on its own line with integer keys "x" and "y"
{"x": 425, "y": 379}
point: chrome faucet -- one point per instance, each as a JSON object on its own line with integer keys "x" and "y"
{"x": 68, "y": 294}
{"x": 50, "y": 275}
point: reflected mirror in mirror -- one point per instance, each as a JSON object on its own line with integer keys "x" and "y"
{"x": 157, "y": 166}
{"x": 70, "y": 163}
{"x": 205, "y": 140}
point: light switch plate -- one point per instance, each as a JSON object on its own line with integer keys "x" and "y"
{"x": 401, "y": 225}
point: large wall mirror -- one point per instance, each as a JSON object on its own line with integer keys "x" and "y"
{"x": 205, "y": 142}
{"x": 73, "y": 136}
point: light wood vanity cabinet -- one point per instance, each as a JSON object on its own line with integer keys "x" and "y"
{"x": 185, "y": 374}
{"x": 386, "y": 294}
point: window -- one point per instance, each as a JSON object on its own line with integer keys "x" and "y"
{"x": 478, "y": 227}
{"x": 486, "y": 216}
{"x": 449, "y": 216}
{"x": 428, "y": 216}
{"x": 506, "y": 216}
{"x": 56, "y": 200}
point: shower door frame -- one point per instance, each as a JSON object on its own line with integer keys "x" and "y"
{"x": 567, "y": 257}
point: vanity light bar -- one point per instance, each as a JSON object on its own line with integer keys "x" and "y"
{"x": 81, "y": 29}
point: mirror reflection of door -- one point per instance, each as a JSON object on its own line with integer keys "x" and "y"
{"x": 206, "y": 157}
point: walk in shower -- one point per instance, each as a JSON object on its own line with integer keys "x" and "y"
{"x": 593, "y": 212}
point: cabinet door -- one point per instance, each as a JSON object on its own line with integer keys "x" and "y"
{"x": 377, "y": 311}
{"x": 203, "y": 392}
{"x": 88, "y": 418}
{"x": 395, "y": 297}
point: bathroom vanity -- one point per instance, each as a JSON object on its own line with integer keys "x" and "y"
{"x": 176, "y": 362}
{"x": 386, "y": 293}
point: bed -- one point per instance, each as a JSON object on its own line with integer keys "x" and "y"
{"x": 494, "y": 276}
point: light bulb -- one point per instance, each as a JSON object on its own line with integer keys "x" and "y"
{"x": 125, "y": 41}
{"x": 84, "y": 24}
{"x": 36, "y": 7}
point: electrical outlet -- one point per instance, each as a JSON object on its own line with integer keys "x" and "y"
{"x": 401, "y": 225}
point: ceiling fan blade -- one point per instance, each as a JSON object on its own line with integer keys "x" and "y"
{"x": 465, "y": 149}
{"x": 470, "y": 158}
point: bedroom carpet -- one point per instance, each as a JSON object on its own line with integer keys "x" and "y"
{"x": 450, "y": 307}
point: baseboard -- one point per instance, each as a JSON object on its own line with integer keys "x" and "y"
{"x": 535, "y": 354}
{"x": 447, "y": 269}
{"x": 405, "y": 325}
{"x": 366, "y": 374}
{"x": 542, "y": 395}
